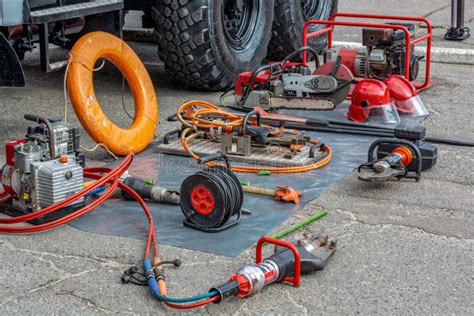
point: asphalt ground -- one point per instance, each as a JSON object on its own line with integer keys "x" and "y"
{"x": 403, "y": 247}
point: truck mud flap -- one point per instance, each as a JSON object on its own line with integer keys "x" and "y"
{"x": 11, "y": 71}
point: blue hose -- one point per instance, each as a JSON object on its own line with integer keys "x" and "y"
{"x": 96, "y": 191}
{"x": 154, "y": 289}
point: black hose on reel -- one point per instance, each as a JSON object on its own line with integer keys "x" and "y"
{"x": 211, "y": 197}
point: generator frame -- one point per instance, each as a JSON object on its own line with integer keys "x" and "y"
{"x": 331, "y": 23}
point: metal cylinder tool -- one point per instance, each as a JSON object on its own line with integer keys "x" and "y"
{"x": 150, "y": 192}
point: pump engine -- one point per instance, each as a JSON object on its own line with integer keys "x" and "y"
{"x": 44, "y": 168}
{"x": 383, "y": 54}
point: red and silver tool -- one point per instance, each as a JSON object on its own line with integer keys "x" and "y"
{"x": 287, "y": 264}
{"x": 43, "y": 169}
{"x": 291, "y": 85}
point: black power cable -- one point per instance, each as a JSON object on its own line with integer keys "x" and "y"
{"x": 353, "y": 128}
{"x": 367, "y": 131}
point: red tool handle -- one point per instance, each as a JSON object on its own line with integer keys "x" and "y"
{"x": 295, "y": 280}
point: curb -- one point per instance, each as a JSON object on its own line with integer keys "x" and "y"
{"x": 438, "y": 54}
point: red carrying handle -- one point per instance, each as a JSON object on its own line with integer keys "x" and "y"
{"x": 295, "y": 280}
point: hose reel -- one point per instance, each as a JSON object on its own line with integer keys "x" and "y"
{"x": 211, "y": 197}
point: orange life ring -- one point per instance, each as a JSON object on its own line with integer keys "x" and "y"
{"x": 84, "y": 56}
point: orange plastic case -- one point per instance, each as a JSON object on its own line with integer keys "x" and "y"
{"x": 84, "y": 55}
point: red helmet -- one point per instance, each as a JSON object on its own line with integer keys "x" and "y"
{"x": 405, "y": 96}
{"x": 371, "y": 101}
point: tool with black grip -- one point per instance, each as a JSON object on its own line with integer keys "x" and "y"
{"x": 287, "y": 264}
{"x": 404, "y": 156}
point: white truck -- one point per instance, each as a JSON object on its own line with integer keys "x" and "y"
{"x": 204, "y": 44}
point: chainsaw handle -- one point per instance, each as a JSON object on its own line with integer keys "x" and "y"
{"x": 213, "y": 157}
{"x": 297, "y": 52}
{"x": 246, "y": 119}
{"x": 251, "y": 82}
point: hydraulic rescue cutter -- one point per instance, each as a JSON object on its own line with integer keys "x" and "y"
{"x": 287, "y": 264}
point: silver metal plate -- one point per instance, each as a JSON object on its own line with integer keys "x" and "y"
{"x": 272, "y": 156}
{"x": 75, "y": 10}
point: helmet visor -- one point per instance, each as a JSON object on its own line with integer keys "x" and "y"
{"x": 412, "y": 107}
{"x": 384, "y": 114}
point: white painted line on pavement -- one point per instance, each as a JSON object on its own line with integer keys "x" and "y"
{"x": 438, "y": 54}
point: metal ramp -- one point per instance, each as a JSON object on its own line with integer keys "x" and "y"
{"x": 71, "y": 11}
{"x": 64, "y": 12}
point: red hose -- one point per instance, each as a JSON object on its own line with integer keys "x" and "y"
{"x": 111, "y": 181}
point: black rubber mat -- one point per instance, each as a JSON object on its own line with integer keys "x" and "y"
{"x": 124, "y": 218}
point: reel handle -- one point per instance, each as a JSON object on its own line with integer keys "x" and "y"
{"x": 213, "y": 157}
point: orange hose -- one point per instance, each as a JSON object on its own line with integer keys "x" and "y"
{"x": 84, "y": 55}
{"x": 193, "y": 305}
{"x": 189, "y": 114}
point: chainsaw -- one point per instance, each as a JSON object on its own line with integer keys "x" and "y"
{"x": 291, "y": 85}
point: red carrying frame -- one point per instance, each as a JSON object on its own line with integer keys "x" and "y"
{"x": 295, "y": 280}
{"x": 428, "y": 37}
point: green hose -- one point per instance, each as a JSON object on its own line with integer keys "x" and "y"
{"x": 299, "y": 225}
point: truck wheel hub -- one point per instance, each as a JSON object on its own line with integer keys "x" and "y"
{"x": 239, "y": 18}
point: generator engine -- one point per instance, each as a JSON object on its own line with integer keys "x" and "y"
{"x": 44, "y": 168}
{"x": 383, "y": 54}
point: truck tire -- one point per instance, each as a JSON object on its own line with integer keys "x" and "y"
{"x": 290, "y": 17}
{"x": 205, "y": 44}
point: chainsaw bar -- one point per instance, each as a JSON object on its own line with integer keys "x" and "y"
{"x": 321, "y": 102}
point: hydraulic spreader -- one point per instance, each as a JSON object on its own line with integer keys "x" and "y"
{"x": 404, "y": 156}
